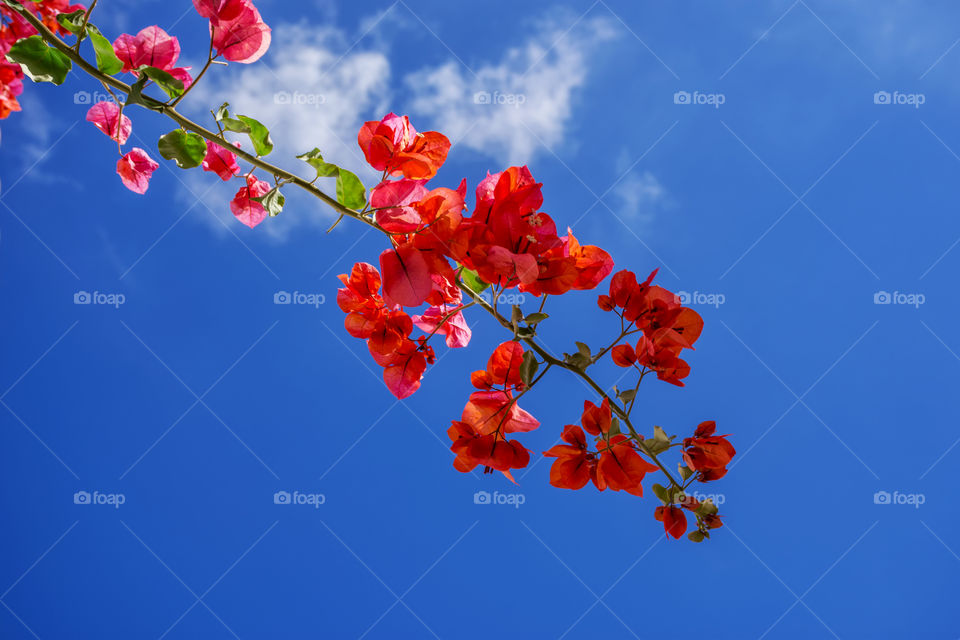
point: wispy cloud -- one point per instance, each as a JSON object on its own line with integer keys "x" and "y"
{"x": 510, "y": 110}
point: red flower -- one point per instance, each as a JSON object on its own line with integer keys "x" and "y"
{"x": 708, "y": 453}
{"x": 492, "y": 450}
{"x": 674, "y": 520}
{"x": 621, "y": 468}
{"x": 497, "y": 411}
{"x": 623, "y": 355}
{"x": 503, "y": 368}
{"x": 596, "y": 420}
{"x": 665, "y": 362}
{"x": 406, "y": 276}
{"x": 574, "y": 465}
{"x": 394, "y": 146}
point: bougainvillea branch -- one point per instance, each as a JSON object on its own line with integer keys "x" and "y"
{"x": 437, "y": 256}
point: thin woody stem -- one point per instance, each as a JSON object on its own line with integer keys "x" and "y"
{"x": 199, "y": 75}
{"x": 308, "y": 186}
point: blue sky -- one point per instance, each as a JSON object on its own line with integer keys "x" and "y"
{"x": 798, "y": 204}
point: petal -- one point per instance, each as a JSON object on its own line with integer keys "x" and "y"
{"x": 406, "y": 279}
{"x": 106, "y": 116}
{"x": 135, "y": 169}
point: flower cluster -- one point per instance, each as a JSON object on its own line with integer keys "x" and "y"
{"x": 439, "y": 250}
{"x": 667, "y": 326}
{"x": 615, "y": 464}
{"x": 13, "y": 27}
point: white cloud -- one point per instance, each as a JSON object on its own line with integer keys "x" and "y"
{"x": 309, "y": 95}
{"x": 639, "y": 195}
{"x": 511, "y": 109}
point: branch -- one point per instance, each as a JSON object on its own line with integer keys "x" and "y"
{"x": 288, "y": 177}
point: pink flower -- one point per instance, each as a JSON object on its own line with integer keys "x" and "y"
{"x": 220, "y": 161}
{"x": 106, "y": 116}
{"x": 152, "y": 47}
{"x": 239, "y": 33}
{"x": 135, "y": 170}
{"x": 397, "y": 195}
{"x": 245, "y": 208}
{"x": 455, "y": 328}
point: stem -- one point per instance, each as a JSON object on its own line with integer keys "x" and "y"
{"x": 199, "y": 75}
{"x": 83, "y": 29}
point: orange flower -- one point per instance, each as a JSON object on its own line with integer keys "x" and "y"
{"x": 394, "y": 146}
{"x": 621, "y": 468}
{"x": 574, "y": 465}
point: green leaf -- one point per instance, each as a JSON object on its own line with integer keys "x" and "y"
{"x": 584, "y": 350}
{"x": 614, "y": 428}
{"x": 136, "y": 95}
{"x": 535, "y": 318}
{"x": 661, "y": 493}
{"x": 272, "y": 201}
{"x": 222, "y": 112}
{"x": 684, "y": 470}
{"x": 187, "y": 149}
{"x": 350, "y": 191}
{"x": 259, "y": 134}
{"x": 40, "y": 62}
{"x": 72, "y": 22}
{"x": 315, "y": 160}
{"x": 577, "y": 360}
{"x": 171, "y": 86}
{"x": 707, "y": 508}
{"x": 695, "y": 536}
{"x": 658, "y": 443}
{"x": 473, "y": 281}
{"x": 107, "y": 60}
{"x": 528, "y": 368}
{"x": 627, "y": 396}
